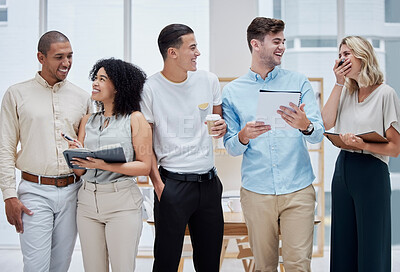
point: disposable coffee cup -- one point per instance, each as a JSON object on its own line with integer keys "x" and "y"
{"x": 211, "y": 119}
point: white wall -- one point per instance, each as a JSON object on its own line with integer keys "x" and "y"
{"x": 229, "y": 53}
{"x": 149, "y": 17}
{"x": 230, "y": 57}
{"x": 18, "y": 38}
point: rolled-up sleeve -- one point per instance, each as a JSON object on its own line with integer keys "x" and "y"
{"x": 231, "y": 138}
{"x": 9, "y": 137}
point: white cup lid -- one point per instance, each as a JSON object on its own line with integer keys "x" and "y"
{"x": 213, "y": 117}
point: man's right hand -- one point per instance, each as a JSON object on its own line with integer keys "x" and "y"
{"x": 159, "y": 189}
{"x": 252, "y": 130}
{"x": 14, "y": 210}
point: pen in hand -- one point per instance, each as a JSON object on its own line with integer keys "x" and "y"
{"x": 70, "y": 139}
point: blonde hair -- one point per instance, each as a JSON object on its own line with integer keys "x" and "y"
{"x": 370, "y": 73}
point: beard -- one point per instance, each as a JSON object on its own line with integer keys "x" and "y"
{"x": 269, "y": 60}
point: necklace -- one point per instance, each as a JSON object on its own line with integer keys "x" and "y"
{"x": 367, "y": 91}
{"x": 361, "y": 97}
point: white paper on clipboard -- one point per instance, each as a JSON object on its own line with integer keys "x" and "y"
{"x": 270, "y": 101}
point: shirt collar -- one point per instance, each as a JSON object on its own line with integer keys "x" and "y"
{"x": 44, "y": 83}
{"x": 271, "y": 75}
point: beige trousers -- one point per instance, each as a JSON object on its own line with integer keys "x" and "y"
{"x": 294, "y": 214}
{"x": 109, "y": 219}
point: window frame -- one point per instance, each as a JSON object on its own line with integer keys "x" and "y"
{"x": 4, "y": 7}
{"x": 386, "y": 14}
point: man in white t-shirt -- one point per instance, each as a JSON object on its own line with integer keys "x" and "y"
{"x": 187, "y": 188}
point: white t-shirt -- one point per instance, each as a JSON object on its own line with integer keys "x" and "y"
{"x": 379, "y": 111}
{"x": 180, "y": 140}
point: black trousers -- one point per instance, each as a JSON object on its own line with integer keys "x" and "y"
{"x": 198, "y": 205}
{"x": 361, "y": 220}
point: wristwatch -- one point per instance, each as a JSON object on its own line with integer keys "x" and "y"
{"x": 309, "y": 130}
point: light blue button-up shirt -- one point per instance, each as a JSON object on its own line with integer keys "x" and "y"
{"x": 276, "y": 162}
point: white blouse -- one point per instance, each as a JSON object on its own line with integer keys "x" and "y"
{"x": 379, "y": 111}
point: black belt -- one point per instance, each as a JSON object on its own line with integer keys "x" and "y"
{"x": 189, "y": 177}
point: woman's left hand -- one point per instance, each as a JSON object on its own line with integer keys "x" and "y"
{"x": 89, "y": 163}
{"x": 352, "y": 140}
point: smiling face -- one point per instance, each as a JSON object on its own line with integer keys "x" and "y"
{"x": 56, "y": 63}
{"x": 347, "y": 53}
{"x": 271, "y": 49}
{"x": 186, "y": 55}
{"x": 103, "y": 88}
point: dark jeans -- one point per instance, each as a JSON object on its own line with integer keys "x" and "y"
{"x": 197, "y": 204}
{"x": 361, "y": 230}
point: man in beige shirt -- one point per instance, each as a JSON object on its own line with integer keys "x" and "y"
{"x": 34, "y": 113}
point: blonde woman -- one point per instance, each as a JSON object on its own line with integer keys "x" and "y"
{"x": 360, "y": 102}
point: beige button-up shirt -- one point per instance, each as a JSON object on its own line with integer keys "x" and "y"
{"x": 34, "y": 114}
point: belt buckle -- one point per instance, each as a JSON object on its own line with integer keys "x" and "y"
{"x": 60, "y": 178}
{"x": 209, "y": 175}
{"x": 206, "y": 176}
{"x": 212, "y": 173}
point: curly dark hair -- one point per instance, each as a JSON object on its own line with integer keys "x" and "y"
{"x": 128, "y": 80}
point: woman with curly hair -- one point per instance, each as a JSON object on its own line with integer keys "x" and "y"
{"x": 109, "y": 215}
{"x": 360, "y": 102}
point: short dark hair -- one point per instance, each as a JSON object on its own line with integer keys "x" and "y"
{"x": 48, "y": 38}
{"x": 261, "y": 26}
{"x": 128, "y": 80}
{"x": 171, "y": 36}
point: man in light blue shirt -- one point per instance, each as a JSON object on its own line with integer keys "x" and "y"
{"x": 277, "y": 174}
